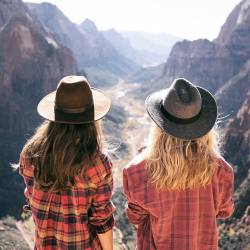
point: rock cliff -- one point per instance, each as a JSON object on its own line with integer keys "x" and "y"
{"x": 234, "y": 231}
{"x": 237, "y": 142}
{"x": 31, "y": 63}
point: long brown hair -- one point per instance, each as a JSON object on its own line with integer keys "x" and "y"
{"x": 59, "y": 152}
{"x": 178, "y": 164}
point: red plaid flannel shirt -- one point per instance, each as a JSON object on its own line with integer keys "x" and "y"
{"x": 177, "y": 220}
{"x": 71, "y": 219}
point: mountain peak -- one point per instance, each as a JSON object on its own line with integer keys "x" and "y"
{"x": 114, "y": 33}
{"x": 48, "y": 9}
{"x": 112, "y": 30}
{"x": 48, "y": 5}
{"x": 244, "y": 12}
{"x": 88, "y": 26}
{"x": 239, "y": 17}
{"x": 42, "y": 3}
{"x": 10, "y": 9}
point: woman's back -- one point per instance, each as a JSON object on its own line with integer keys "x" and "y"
{"x": 181, "y": 184}
{"x": 177, "y": 219}
{"x": 68, "y": 179}
{"x": 70, "y": 218}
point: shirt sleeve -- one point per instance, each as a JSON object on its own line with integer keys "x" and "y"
{"x": 134, "y": 211}
{"x": 26, "y": 171}
{"x": 101, "y": 212}
{"x": 226, "y": 186}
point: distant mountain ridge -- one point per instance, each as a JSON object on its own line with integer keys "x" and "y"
{"x": 94, "y": 54}
{"x": 147, "y": 49}
{"x": 158, "y": 45}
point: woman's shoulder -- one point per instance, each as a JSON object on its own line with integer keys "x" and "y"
{"x": 135, "y": 178}
{"x": 223, "y": 165}
{"x": 224, "y": 168}
{"x": 137, "y": 165}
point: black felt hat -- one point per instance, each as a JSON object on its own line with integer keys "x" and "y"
{"x": 183, "y": 110}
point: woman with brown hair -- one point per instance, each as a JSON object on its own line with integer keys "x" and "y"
{"x": 179, "y": 184}
{"x": 68, "y": 178}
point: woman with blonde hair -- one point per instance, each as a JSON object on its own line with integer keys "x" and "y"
{"x": 179, "y": 184}
{"x": 68, "y": 178}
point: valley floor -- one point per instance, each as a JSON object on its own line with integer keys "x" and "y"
{"x": 135, "y": 129}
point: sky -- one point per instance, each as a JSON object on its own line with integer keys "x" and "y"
{"x": 190, "y": 19}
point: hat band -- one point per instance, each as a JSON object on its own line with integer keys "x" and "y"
{"x": 179, "y": 120}
{"x": 73, "y": 110}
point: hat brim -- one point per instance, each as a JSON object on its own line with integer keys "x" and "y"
{"x": 46, "y": 108}
{"x": 188, "y": 131}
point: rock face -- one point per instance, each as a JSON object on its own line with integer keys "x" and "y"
{"x": 93, "y": 52}
{"x": 234, "y": 33}
{"x": 232, "y": 94}
{"x": 234, "y": 232}
{"x": 202, "y": 62}
{"x": 31, "y": 64}
{"x": 64, "y": 31}
{"x": 237, "y": 148}
{"x": 103, "y": 53}
{"x": 237, "y": 142}
{"x": 9, "y": 9}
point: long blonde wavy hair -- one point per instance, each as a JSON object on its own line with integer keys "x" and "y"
{"x": 178, "y": 164}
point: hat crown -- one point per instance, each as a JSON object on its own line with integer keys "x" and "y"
{"x": 73, "y": 92}
{"x": 183, "y": 100}
{"x": 74, "y": 102}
